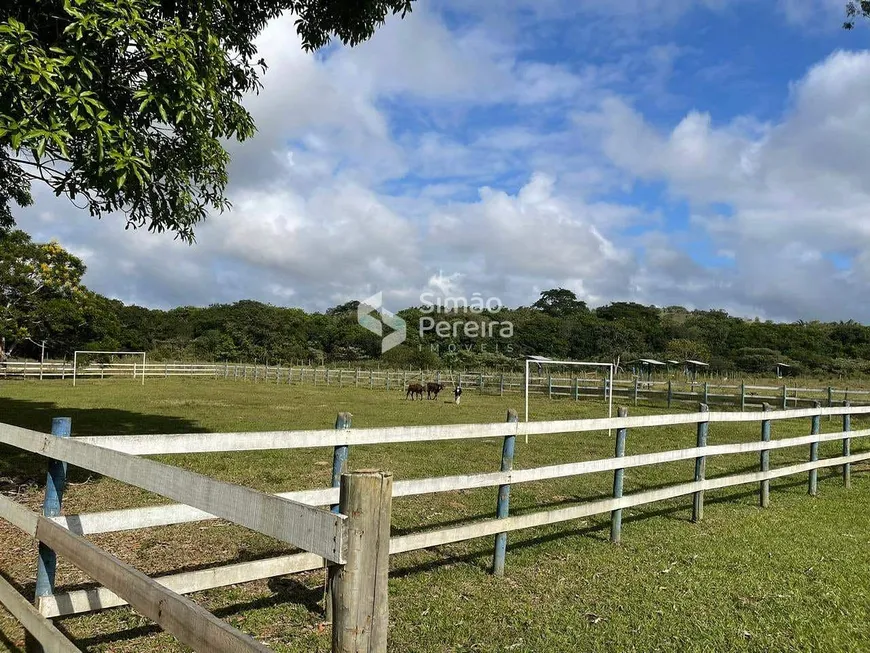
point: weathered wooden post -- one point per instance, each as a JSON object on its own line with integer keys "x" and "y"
{"x": 784, "y": 397}
{"x": 764, "y": 486}
{"x": 847, "y": 448}
{"x": 358, "y": 588}
{"x": 813, "y": 482}
{"x": 550, "y": 386}
{"x": 55, "y": 483}
{"x": 743, "y": 395}
{"x": 670, "y": 392}
{"x": 576, "y": 389}
{"x": 371, "y": 379}
{"x": 700, "y": 467}
{"x": 707, "y": 392}
{"x": 501, "y": 385}
{"x": 618, "y": 476}
{"x": 504, "y": 497}
{"x": 830, "y": 396}
{"x": 635, "y": 391}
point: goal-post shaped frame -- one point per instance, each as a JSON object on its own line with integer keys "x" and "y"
{"x": 112, "y": 353}
{"x": 548, "y": 361}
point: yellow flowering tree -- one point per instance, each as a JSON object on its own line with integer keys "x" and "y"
{"x": 40, "y": 290}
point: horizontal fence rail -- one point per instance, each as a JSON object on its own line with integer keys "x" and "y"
{"x": 253, "y": 441}
{"x": 678, "y": 388}
{"x": 190, "y": 623}
{"x": 344, "y": 436}
{"x": 311, "y": 529}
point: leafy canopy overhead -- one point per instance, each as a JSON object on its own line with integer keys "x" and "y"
{"x": 856, "y": 9}
{"x": 121, "y": 105}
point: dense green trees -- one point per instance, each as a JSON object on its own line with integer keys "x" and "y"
{"x": 125, "y": 105}
{"x": 44, "y": 300}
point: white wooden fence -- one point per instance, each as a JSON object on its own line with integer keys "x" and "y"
{"x": 663, "y": 392}
{"x": 295, "y": 517}
{"x": 324, "y": 534}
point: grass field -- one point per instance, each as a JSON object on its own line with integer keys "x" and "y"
{"x": 794, "y": 577}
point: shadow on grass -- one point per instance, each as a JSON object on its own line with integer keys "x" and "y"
{"x": 23, "y": 468}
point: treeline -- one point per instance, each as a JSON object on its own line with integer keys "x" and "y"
{"x": 45, "y": 302}
{"x": 251, "y": 331}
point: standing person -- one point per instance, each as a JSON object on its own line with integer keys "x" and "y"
{"x": 457, "y": 394}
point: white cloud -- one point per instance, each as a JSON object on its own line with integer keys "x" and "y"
{"x": 798, "y": 188}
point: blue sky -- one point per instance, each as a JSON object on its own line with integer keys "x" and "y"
{"x": 710, "y": 153}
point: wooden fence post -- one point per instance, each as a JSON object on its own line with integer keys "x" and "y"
{"x": 742, "y": 395}
{"x": 813, "y": 481}
{"x": 847, "y": 449}
{"x": 371, "y": 379}
{"x": 764, "y": 486}
{"x": 707, "y": 392}
{"x": 501, "y": 385}
{"x": 635, "y": 394}
{"x": 700, "y": 467}
{"x": 784, "y": 397}
{"x": 830, "y": 397}
{"x": 55, "y": 484}
{"x": 480, "y": 382}
{"x": 618, "y": 476}
{"x": 504, "y": 497}
{"x": 670, "y": 393}
{"x": 549, "y": 386}
{"x": 358, "y": 589}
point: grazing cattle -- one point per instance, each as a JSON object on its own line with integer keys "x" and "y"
{"x": 432, "y": 390}
{"x": 414, "y": 390}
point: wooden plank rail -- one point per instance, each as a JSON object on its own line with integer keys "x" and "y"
{"x": 263, "y": 440}
{"x": 190, "y": 623}
{"x": 49, "y": 637}
{"x": 112, "y": 453}
{"x": 133, "y": 518}
{"x": 312, "y": 529}
{"x": 490, "y": 527}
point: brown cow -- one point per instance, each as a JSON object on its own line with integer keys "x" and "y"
{"x": 433, "y": 389}
{"x": 414, "y": 390}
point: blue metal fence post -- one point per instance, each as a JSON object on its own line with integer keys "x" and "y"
{"x": 339, "y": 454}
{"x": 504, "y": 497}
{"x": 700, "y": 467}
{"x": 847, "y": 448}
{"x": 618, "y": 476}
{"x": 764, "y": 486}
{"x": 814, "y": 453}
{"x": 55, "y": 483}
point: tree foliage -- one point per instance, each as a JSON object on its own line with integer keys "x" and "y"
{"x": 42, "y": 298}
{"x": 123, "y": 105}
{"x": 856, "y": 9}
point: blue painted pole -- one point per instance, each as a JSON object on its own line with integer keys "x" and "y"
{"x": 55, "y": 483}
{"x": 700, "y": 468}
{"x": 339, "y": 454}
{"x": 847, "y": 449}
{"x": 764, "y": 489}
{"x": 814, "y": 453}
{"x": 504, "y": 497}
{"x": 618, "y": 476}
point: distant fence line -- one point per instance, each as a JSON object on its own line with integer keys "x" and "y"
{"x": 300, "y": 517}
{"x": 575, "y": 387}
